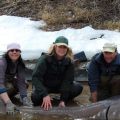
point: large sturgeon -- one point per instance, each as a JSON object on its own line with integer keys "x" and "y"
{"x": 105, "y": 110}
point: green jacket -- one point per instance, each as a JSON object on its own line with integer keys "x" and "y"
{"x": 51, "y": 74}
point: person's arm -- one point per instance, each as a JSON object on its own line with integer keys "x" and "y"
{"x": 93, "y": 79}
{"x": 4, "y": 96}
{"x": 67, "y": 83}
{"x": 22, "y": 86}
{"x": 21, "y": 82}
{"x": 2, "y": 73}
{"x": 37, "y": 77}
{"x": 94, "y": 96}
{"x": 3, "y": 91}
{"x": 10, "y": 107}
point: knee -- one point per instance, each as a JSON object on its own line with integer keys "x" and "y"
{"x": 36, "y": 100}
{"x": 33, "y": 98}
{"x": 12, "y": 91}
{"x": 78, "y": 87}
{"x": 27, "y": 84}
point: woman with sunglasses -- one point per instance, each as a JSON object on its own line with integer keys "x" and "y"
{"x": 54, "y": 73}
{"x": 12, "y": 77}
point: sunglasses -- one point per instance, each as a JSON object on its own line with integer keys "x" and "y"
{"x": 16, "y": 50}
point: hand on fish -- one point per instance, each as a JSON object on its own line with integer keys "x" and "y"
{"x": 46, "y": 104}
{"x": 62, "y": 104}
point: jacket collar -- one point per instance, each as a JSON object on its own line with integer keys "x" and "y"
{"x": 100, "y": 59}
{"x": 52, "y": 59}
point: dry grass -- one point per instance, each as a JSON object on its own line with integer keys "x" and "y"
{"x": 65, "y": 15}
{"x": 58, "y": 15}
{"x": 111, "y": 25}
{"x": 86, "y": 15}
{"x": 99, "y": 13}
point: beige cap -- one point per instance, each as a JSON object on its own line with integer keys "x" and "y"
{"x": 109, "y": 47}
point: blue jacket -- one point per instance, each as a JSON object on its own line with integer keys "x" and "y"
{"x": 98, "y": 67}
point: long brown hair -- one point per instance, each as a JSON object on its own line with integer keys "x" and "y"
{"x": 69, "y": 54}
{"x": 20, "y": 60}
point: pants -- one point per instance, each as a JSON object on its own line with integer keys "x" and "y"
{"x": 12, "y": 88}
{"x": 109, "y": 86}
{"x": 75, "y": 91}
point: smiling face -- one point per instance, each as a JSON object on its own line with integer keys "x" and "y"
{"x": 14, "y": 54}
{"x": 109, "y": 56}
{"x": 61, "y": 51}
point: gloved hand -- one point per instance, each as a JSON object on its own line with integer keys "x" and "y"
{"x": 10, "y": 107}
{"x": 26, "y": 102}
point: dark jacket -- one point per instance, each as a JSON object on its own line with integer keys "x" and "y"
{"x": 99, "y": 67}
{"x": 54, "y": 75}
{"x": 9, "y": 71}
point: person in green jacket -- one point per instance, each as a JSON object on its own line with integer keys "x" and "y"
{"x": 54, "y": 73}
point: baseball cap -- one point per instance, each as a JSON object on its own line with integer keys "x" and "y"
{"x": 61, "y": 40}
{"x": 109, "y": 47}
